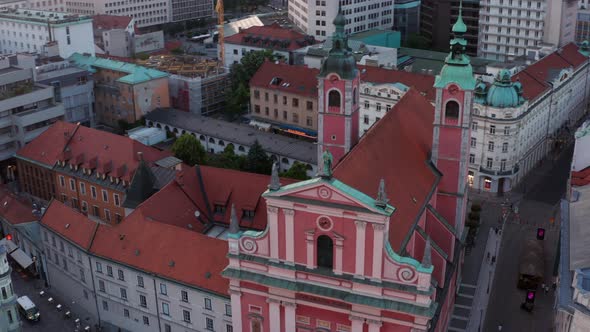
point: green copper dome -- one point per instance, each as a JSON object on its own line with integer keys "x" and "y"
{"x": 340, "y": 59}
{"x": 339, "y": 19}
{"x": 459, "y": 26}
{"x": 480, "y": 92}
{"x": 504, "y": 93}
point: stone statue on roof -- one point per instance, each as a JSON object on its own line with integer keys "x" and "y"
{"x": 327, "y": 169}
{"x": 275, "y": 183}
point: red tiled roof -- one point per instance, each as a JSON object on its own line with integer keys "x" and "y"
{"x": 531, "y": 87}
{"x": 91, "y": 148}
{"x": 46, "y": 148}
{"x": 580, "y": 178}
{"x": 181, "y": 255}
{"x": 69, "y": 223}
{"x": 397, "y": 149}
{"x": 268, "y": 33}
{"x": 109, "y": 22}
{"x": 423, "y": 83}
{"x": 301, "y": 79}
{"x": 14, "y": 210}
{"x": 571, "y": 53}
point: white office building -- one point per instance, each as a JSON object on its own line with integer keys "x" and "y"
{"x": 376, "y": 99}
{"x": 511, "y": 28}
{"x": 315, "y": 17}
{"x": 26, "y": 30}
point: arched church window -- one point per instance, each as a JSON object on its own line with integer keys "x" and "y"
{"x": 334, "y": 98}
{"x": 452, "y": 110}
{"x": 325, "y": 252}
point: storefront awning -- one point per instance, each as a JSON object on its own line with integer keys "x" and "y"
{"x": 21, "y": 258}
{"x": 259, "y": 124}
{"x": 10, "y": 246}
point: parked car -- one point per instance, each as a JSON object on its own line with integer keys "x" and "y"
{"x": 27, "y": 308}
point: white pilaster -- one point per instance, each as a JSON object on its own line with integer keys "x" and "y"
{"x": 273, "y": 224}
{"x": 290, "y": 316}
{"x": 236, "y": 310}
{"x": 359, "y": 264}
{"x": 309, "y": 246}
{"x": 357, "y": 323}
{"x": 378, "y": 238}
{"x": 274, "y": 314}
{"x": 339, "y": 244}
{"x": 374, "y": 325}
{"x": 289, "y": 236}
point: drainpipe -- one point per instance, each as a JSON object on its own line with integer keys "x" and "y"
{"x": 94, "y": 290}
{"x": 157, "y": 305}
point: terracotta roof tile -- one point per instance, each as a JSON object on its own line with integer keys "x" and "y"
{"x": 423, "y": 83}
{"x": 69, "y": 223}
{"x": 162, "y": 249}
{"x": 15, "y": 210}
{"x": 397, "y": 149}
{"x": 46, "y": 148}
{"x": 580, "y": 178}
{"x": 571, "y": 53}
{"x": 301, "y": 80}
{"x": 263, "y": 37}
{"x": 109, "y": 22}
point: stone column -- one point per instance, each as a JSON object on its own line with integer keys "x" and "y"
{"x": 274, "y": 232}
{"x": 339, "y": 246}
{"x": 378, "y": 239}
{"x": 290, "y": 316}
{"x": 374, "y": 325}
{"x": 236, "y": 309}
{"x": 309, "y": 245}
{"x": 274, "y": 314}
{"x": 359, "y": 264}
{"x": 289, "y": 236}
{"x": 357, "y": 323}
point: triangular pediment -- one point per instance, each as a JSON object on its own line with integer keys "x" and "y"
{"x": 330, "y": 192}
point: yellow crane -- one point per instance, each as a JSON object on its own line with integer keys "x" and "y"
{"x": 220, "y": 22}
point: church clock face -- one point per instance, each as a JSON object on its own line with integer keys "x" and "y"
{"x": 324, "y": 223}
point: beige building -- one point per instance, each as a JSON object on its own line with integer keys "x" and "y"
{"x": 285, "y": 97}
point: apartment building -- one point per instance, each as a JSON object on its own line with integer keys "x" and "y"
{"x": 274, "y": 37}
{"x": 124, "y": 91}
{"x": 511, "y": 28}
{"x": 48, "y": 5}
{"x": 583, "y": 25}
{"x": 27, "y": 108}
{"x": 286, "y": 97}
{"x": 28, "y": 30}
{"x": 98, "y": 173}
{"x": 315, "y": 17}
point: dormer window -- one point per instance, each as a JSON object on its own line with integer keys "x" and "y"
{"x": 219, "y": 208}
{"x": 248, "y": 214}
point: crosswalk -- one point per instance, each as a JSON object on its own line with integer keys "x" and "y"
{"x": 462, "y": 308}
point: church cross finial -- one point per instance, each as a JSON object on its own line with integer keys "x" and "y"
{"x": 275, "y": 183}
{"x": 382, "y": 199}
{"x": 427, "y": 258}
{"x": 234, "y": 226}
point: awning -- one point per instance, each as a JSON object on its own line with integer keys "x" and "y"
{"x": 259, "y": 124}
{"x": 10, "y": 246}
{"x": 21, "y": 258}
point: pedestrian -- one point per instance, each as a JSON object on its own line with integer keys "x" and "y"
{"x": 500, "y": 327}
{"x": 543, "y": 286}
{"x": 546, "y": 289}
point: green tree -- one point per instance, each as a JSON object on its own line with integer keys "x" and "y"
{"x": 298, "y": 171}
{"x": 188, "y": 149}
{"x": 257, "y": 160}
{"x": 229, "y": 158}
{"x": 416, "y": 40}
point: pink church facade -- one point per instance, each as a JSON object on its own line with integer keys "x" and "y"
{"x": 335, "y": 258}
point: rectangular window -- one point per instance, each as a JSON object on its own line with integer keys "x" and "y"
{"x": 166, "y": 309}
{"x": 506, "y": 130}
{"x": 146, "y": 320}
{"x": 229, "y": 328}
{"x": 184, "y": 296}
{"x": 186, "y": 316}
{"x": 503, "y": 164}
{"x": 167, "y": 328}
{"x": 163, "y": 289}
{"x": 95, "y": 211}
{"x": 93, "y": 191}
{"x": 84, "y": 206}
{"x": 121, "y": 275}
{"x": 79, "y": 257}
{"x": 472, "y": 159}
{"x": 378, "y": 106}
{"x": 98, "y": 267}
{"x": 101, "y": 286}
{"x": 284, "y": 100}
{"x": 116, "y": 200}
{"x": 62, "y": 181}
{"x": 473, "y": 142}
{"x": 140, "y": 281}
{"x": 70, "y": 252}
{"x": 142, "y": 301}
{"x": 126, "y": 313}
{"x": 309, "y": 106}
{"x": 75, "y": 203}
{"x": 65, "y": 263}
{"x": 256, "y": 94}
{"x": 82, "y": 276}
{"x": 474, "y": 126}
{"x": 228, "y": 309}
{"x": 209, "y": 323}
{"x": 105, "y": 306}
{"x": 295, "y": 102}
{"x": 491, "y": 146}
{"x": 366, "y": 119}
{"x": 107, "y": 215}
{"x": 118, "y": 218}
{"x": 82, "y": 188}
{"x": 489, "y": 163}
{"x": 105, "y": 196}
{"x": 109, "y": 271}
{"x": 207, "y": 303}
{"x": 123, "y": 293}
{"x": 72, "y": 185}
{"x": 61, "y": 246}
{"x": 492, "y": 129}
{"x": 504, "y": 147}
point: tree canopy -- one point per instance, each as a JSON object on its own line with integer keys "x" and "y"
{"x": 257, "y": 161}
{"x": 188, "y": 149}
{"x": 298, "y": 171}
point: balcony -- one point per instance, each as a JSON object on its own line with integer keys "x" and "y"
{"x": 493, "y": 172}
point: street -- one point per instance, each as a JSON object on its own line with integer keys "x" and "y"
{"x": 538, "y": 207}
{"x": 51, "y": 319}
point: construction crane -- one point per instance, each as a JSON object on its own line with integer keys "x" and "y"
{"x": 220, "y": 22}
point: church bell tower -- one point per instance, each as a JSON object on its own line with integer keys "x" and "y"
{"x": 338, "y": 93}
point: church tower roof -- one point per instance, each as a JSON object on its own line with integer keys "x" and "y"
{"x": 340, "y": 59}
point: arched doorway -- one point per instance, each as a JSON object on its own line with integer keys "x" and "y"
{"x": 325, "y": 252}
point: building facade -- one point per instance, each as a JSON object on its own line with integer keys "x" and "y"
{"x": 124, "y": 91}
{"x": 406, "y": 17}
{"x": 315, "y": 17}
{"x": 28, "y": 30}
{"x": 27, "y": 108}
{"x": 583, "y": 25}
{"x": 9, "y": 317}
{"x": 285, "y": 96}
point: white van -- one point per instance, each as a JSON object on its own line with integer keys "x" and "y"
{"x": 27, "y": 308}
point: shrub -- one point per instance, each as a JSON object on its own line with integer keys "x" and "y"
{"x": 475, "y": 207}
